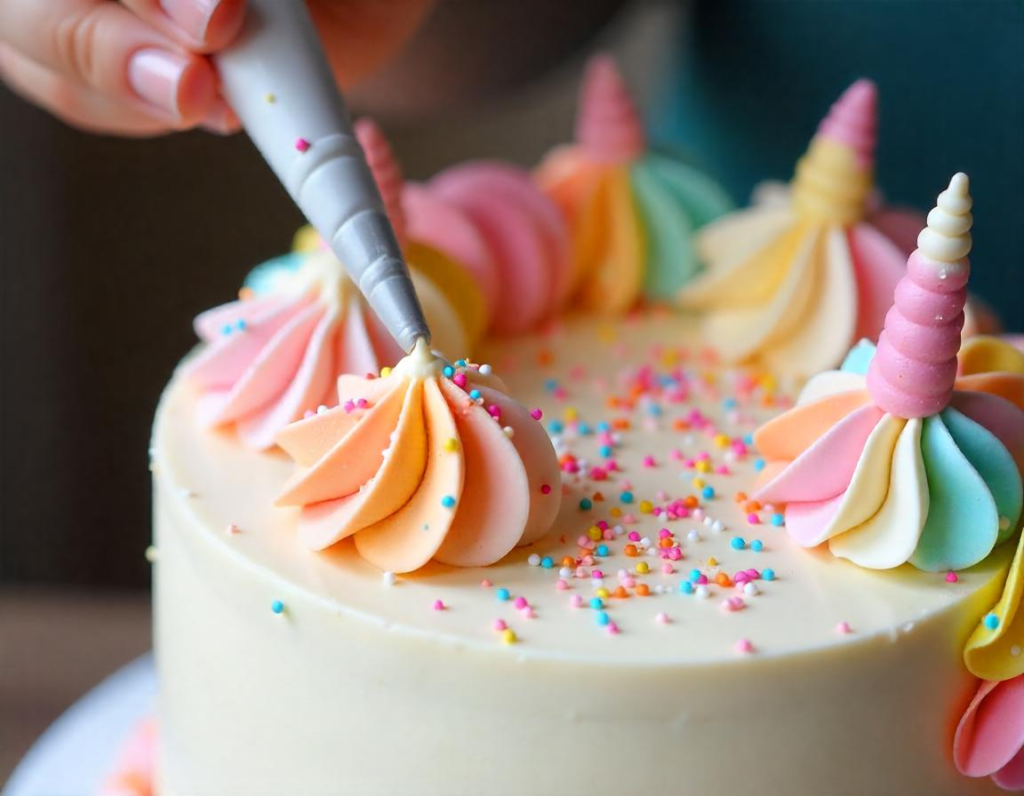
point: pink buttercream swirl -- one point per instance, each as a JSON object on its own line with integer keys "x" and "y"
{"x": 608, "y": 124}
{"x": 914, "y": 369}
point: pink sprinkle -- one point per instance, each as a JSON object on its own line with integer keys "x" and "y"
{"x": 744, "y": 647}
{"x": 629, "y": 582}
{"x": 843, "y": 628}
{"x": 581, "y": 572}
{"x": 583, "y": 540}
{"x": 667, "y": 569}
{"x": 733, "y": 604}
{"x": 698, "y": 514}
{"x": 439, "y": 605}
{"x": 648, "y": 461}
{"x": 308, "y": 414}
{"x": 348, "y": 406}
{"x": 628, "y": 519}
{"x": 362, "y": 403}
{"x": 661, "y": 494}
{"x": 607, "y": 534}
{"x": 520, "y": 603}
{"x": 952, "y": 577}
{"x": 536, "y": 414}
{"x": 545, "y": 489}
{"x": 662, "y": 618}
{"x": 753, "y": 519}
{"x": 664, "y": 533}
{"x": 722, "y": 469}
{"x": 702, "y": 580}
{"x": 576, "y": 601}
{"x": 493, "y": 410}
{"x": 302, "y": 145}
{"x": 485, "y": 584}
{"x": 459, "y": 380}
{"x": 499, "y": 625}
{"x": 602, "y": 525}
{"x": 613, "y": 629}
{"x": 561, "y": 585}
{"x": 674, "y": 553}
{"x": 232, "y": 529}
{"x": 676, "y": 454}
{"x": 528, "y": 613}
{"x": 597, "y": 574}
{"x": 634, "y": 536}
{"x": 587, "y": 560}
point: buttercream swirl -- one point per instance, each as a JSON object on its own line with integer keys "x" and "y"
{"x": 795, "y": 283}
{"x": 429, "y": 462}
{"x": 909, "y": 465}
{"x": 989, "y": 739}
{"x": 632, "y": 211}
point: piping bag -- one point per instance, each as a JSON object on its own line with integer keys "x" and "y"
{"x": 277, "y": 79}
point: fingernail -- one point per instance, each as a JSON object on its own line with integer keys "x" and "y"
{"x": 156, "y": 76}
{"x": 221, "y": 120}
{"x": 192, "y": 16}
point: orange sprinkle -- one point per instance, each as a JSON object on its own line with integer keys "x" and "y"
{"x": 666, "y": 542}
{"x": 620, "y": 592}
{"x": 598, "y": 497}
{"x": 568, "y": 561}
{"x": 630, "y": 550}
{"x": 643, "y": 590}
{"x": 679, "y": 424}
{"x": 722, "y": 579}
{"x": 620, "y": 424}
{"x": 740, "y": 497}
{"x": 751, "y": 506}
{"x": 691, "y": 501}
{"x": 545, "y": 357}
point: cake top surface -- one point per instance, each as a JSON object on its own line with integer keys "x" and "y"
{"x": 654, "y": 442}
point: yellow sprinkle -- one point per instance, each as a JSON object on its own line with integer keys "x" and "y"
{"x": 615, "y": 511}
{"x": 721, "y": 440}
{"x": 642, "y": 568}
{"x": 385, "y": 372}
{"x": 607, "y": 334}
{"x": 270, "y": 98}
{"x": 646, "y": 507}
{"x": 698, "y": 483}
{"x": 508, "y": 636}
{"x": 712, "y": 562}
{"x": 602, "y": 593}
{"x": 703, "y": 466}
{"x": 768, "y": 382}
{"x": 670, "y": 358}
{"x": 151, "y": 554}
{"x": 451, "y": 444}
{"x": 571, "y": 413}
{"x": 594, "y": 532}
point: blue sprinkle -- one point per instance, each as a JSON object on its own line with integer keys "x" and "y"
{"x": 626, "y": 497}
{"x": 240, "y": 324}
{"x": 502, "y": 594}
{"x": 596, "y": 603}
{"x": 768, "y": 574}
{"x": 460, "y": 363}
{"x": 758, "y": 465}
{"x": 603, "y": 426}
{"x": 556, "y": 427}
{"x": 992, "y": 622}
{"x": 778, "y": 520}
{"x": 550, "y": 385}
{"x": 547, "y": 562}
{"x": 226, "y": 329}
{"x": 654, "y": 410}
{"x": 602, "y": 618}
{"x": 605, "y": 451}
{"x": 757, "y": 545}
{"x": 729, "y": 403}
{"x": 738, "y": 543}
{"x": 448, "y": 501}
{"x": 584, "y": 429}
{"x": 474, "y": 395}
{"x": 707, "y": 492}
{"x": 748, "y": 440}
{"x": 586, "y": 504}
{"x": 448, "y": 371}
{"x": 602, "y": 550}
{"x": 694, "y": 574}
{"x": 277, "y": 607}
{"x": 686, "y": 587}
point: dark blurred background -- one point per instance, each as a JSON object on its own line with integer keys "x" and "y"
{"x": 109, "y": 247}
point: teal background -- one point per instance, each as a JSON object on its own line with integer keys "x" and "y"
{"x": 754, "y": 77}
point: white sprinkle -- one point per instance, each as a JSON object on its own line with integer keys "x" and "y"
{"x": 185, "y": 492}
{"x": 486, "y": 370}
{"x": 565, "y": 572}
{"x": 533, "y": 560}
{"x": 509, "y": 431}
{"x": 693, "y": 536}
{"x": 1015, "y": 651}
{"x": 388, "y": 578}
{"x": 708, "y": 521}
{"x": 750, "y": 589}
{"x": 618, "y": 530}
{"x": 662, "y": 618}
{"x": 645, "y": 542}
{"x": 321, "y": 409}
{"x": 702, "y": 592}
{"x": 717, "y": 526}
{"x": 151, "y": 554}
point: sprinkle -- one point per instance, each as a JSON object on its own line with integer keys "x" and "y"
{"x": 992, "y": 622}
{"x": 486, "y": 370}
{"x": 596, "y": 603}
{"x": 385, "y": 372}
{"x": 439, "y": 605}
{"x": 952, "y": 577}
{"x": 277, "y": 607}
{"x": 750, "y": 589}
{"x": 536, "y": 414}
{"x": 474, "y": 395}
{"x": 448, "y": 502}
{"x": 485, "y": 584}
{"x": 662, "y": 618}
{"x": 753, "y": 519}
{"x": 547, "y": 562}
{"x": 778, "y": 520}
{"x": 757, "y": 545}
{"x": 270, "y": 98}
{"x": 232, "y": 529}
{"x": 508, "y": 636}
{"x": 693, "y": 536}
{"x": 533, "y": 560}
{"x": 448, "y": 371}
{"x": 151, "y": 554}
{"x": 733, "y": 604}
{"x": 602, "y": 550}
{"x": 643, "y": 568}
{"x": 744, "y": 647}
{"x": 576, "y": 601}
{"x": 389, "y": 578}
{"x": 626, "y": 497}
{"x": 586, "y": 504}
{"x": 451, "y": 444}
{"x": 502, "y": 594}
{"x": 499, "y": 625}
{"x": 738, "y": 543}
{"x": 758, "y": 465}
{"x": 707, "y": 492}
{"x": 768, "y": 574}
{"x": 702, "y": 592}
{"x": 561, "y": 584}
{"x": 686, "y": 587}
{"x": 602, "y": 618}
{"x": 843, "y": 629}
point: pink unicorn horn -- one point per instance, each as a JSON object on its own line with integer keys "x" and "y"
{"x": 914, "y": 368}
{"x": 386, "y": 172}
{"x": 607, "y": 123}
{"x": 853, "y": 120}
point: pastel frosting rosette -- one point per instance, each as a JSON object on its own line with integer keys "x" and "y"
{"x": 432, "y": 461}
{"x": 510, "y": 237}
{"x": 632, "y": 210}
{"x": 300, "y": 322}
{"x": 795, "y": 283}
{"x": 893, "y": 459}
{"x": 989, "y": 740}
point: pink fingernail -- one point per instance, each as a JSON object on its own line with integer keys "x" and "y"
{"x": 155, "y": 75}
{"x": 192, "y": 16}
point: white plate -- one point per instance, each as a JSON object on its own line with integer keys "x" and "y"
{"x": 75, "y": 755}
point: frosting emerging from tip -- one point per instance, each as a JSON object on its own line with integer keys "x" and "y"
{"x": 429, "y": 462}
{"x": 795, "y": 281}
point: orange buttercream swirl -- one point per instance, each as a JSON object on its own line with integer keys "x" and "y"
{"x": 429, "y": 462}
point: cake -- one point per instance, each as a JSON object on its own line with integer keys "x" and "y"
{"x": 588, "y": 556}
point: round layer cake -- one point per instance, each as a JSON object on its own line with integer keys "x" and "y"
{"x": 667, "y": 635}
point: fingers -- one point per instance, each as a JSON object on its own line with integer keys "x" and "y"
{"x": 203, "y": 26}
{"x": 104, "y": 46}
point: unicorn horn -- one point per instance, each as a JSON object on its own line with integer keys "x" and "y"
{"x": 607, "y": 123}
{"x": 914, "y": 368}
{"x": 386, "y": 172}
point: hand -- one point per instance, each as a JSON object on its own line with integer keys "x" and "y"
{"x": 139, "y": 67}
